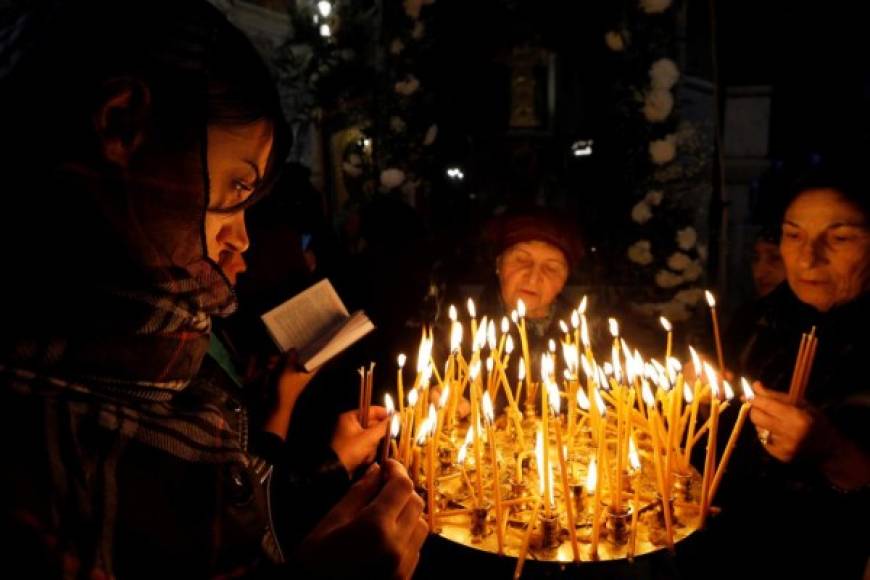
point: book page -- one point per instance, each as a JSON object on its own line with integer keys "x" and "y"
{"x": 306, "y": 317}
{"x": 353, "y": 329}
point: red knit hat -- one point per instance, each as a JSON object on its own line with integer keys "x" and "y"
{"x": 536, "y": 224}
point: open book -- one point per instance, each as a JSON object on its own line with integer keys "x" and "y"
{"x": 316, "y": 323}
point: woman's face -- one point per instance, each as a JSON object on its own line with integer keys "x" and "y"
{"x": 237, "y": 158}
{"x": 826, "y": 248}
{"x": 534, "y": 271}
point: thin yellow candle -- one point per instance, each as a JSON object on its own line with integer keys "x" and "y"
{"x": 566, "y": 490}
{"x": 524, "y": 342}
{"x": 710, "y": 460}
{"x": 592, "y": 485}
{"x": 496, "y": 478}
{"x": 634, "y": 466}
{"x": 426, "y": 433}
{"x": 666, "y": 324}
{"x": 475, "y": 424}
{"x": 546, "y": 362}
{"x": 524, "y": 549}
{"x": 472, "y": 312}
{"x": 399, "y": 387}
{"x": 442, "y": 409}
{"x": 749, "y": 395}
{"x": 460, "y": 461}
{"x": 711, "y": 301}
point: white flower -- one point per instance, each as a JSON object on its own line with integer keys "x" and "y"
{"x": 419, "y": 30}
{"x": 667, "y": 279}
{"x": 654, "y": 197}
{"x": 397, "y": 46}
{"x": 639, "y": 252}
{"x": 392, "y": 177}
{"x": 641, "y": 212}
{"x": 693, "y": 271}
{"x": 674, "y": 311}
{"x": 351, "y": 169}
{"x": 664, "y": 74}
{"x": 655, "y": 6}
{"x": 412, "y": 8}
{"x": 408, "y": 86}
{"x": 614, "y": 41}
{"x": 686, "y": 238}
{"x": 663, "y": 150}
{"x": 397, "y": 124}
{"x": 431, "y": 134}
{"x": 679, "y": 261}
{"x": 658, "y": 105}
{"x": 689, "y": 296}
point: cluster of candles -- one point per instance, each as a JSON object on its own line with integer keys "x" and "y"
{"x": 612, "y": 415}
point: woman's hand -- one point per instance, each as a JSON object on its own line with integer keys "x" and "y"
{"x": 375, "y": 531}
{"x": 289, "y": 385}
{"x": 783, "y": 427}
{"x": 355, "y": 445}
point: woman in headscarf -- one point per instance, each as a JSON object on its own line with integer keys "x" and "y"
{"x": 137, "y": 134}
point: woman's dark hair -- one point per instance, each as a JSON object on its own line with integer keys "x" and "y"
{"x": 844, "y": 173}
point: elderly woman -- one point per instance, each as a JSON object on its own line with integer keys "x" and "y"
{"x": 137, "y": 135}
{"x": 797, "y": 489}
{"x": 536, "y": 251}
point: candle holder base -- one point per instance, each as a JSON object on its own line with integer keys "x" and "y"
{"x": 618, "y": 525}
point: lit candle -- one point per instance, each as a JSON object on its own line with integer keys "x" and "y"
{"x": 496, "y": 478}
{"x": 460, "y": 460}
{"x": 474, "y": 371}
{"x": 748, "y": 396}
{"x": 710, "y": 460}
{"x": 400, "y": 388}
{"x": 592, "y": 489}
{"x": 566, "y": 490}
{"x": 472, "y": 312}
{"x": 666, "y": 324}
{"x": 711, "y": 301}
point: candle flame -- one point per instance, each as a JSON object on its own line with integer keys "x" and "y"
{"x": 599, "y": 402}
{"x": 583, "y": 303}
{"x": 592, "y": 476}
{"x": 445, "y": 396}
{"x": 521, "y": 308}
{"x": 425, "y": 376}
{"x": 469, "y": 437}
{"x": 489, "y": 364}
{"x": 582, "y": 399}
{"x": 584, "y": 332}
{"x": 666, "y": 324}
{"x": 460, "y": 456}
{"x": 547, "y": 366}
{"x": 614, "y": 327}
{"x": 521, "y": 373}
{"x": 424, "y": 354}
{"x": 509, "y": 344}
{"x": 487, "y": 407}
{"x": 687, "y": 393}
{"x": 455, "y": 336}
{"x": 451, "y": 313}
{"x": 553, "y": 397}
{"x": 471, "y": 310}
{"x": 696, "y": 362}
{"x": 633, "y": 457}
{"x": 608, "y": 368}
{"x": 388, "y": 403}
{"x": 617, "y": 367}
{"x": 551, "y": 345}
{"x": 647, "y": 394}
{"x": 490, "y": 335}
{"x": 480, "y": 337}
{"x": 575, "y": 319}
{"x": 412, "y": 398}
{"x": 563, "y": 326}
{"x": 587, "y": 368}
{"x": 433, "y": 414}
{"x": 566, "y": 374}
{"x": 401, "y": 360}
{"x": 571, "y": 357}
{"x": 514, "y": 317}
{"x": 505, "y": 324}
{"x": 726, "y": 388}
{"x": 394, "y": 426}
{"x": 474, "y": 369}
{"x": 425, "y": 428}
{"x": 602, "y": 379}
{"x": 712, "y": 378}
{"x": 748, "y": 393}
{"x": 711, "y": 300}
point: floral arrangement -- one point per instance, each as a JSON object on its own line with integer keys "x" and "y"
{"x": 665, "y": 257}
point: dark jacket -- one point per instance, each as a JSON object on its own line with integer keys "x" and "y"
{"x": 787, "y": 519}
